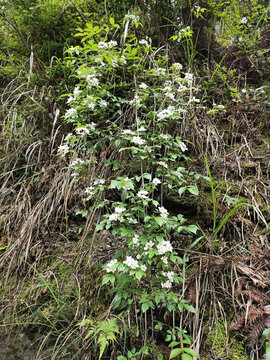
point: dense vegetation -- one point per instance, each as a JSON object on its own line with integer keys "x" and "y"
{"x": 134, "y": 167}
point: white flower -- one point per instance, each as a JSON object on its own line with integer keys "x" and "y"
{"x": 82, "y": 131}
{"x": 164, "y": 246}
{"x": 143, "y": 42}
{"x": 142, "y": 128}
{"x": 170, "y": 96}
{"x": 149, "y": 245}
{"x": 183, "y": 146}
{"x": 91, "y": 105}
{"x": 76, "y": 162}
{"x": 182, "y": 88}
{"x": 72, "y": 49}
{"x": 166, "y": 113}
{"x": 69, "y": 135}
{"x": 193, "y": 99}
{"x": 77, "y": 91}
{"x": 244, "y": 20}
{"x": 197, "y": 8}
{"x": 143, "y": 86}
{"x": 138, "y": 256}
{"x": 165, "y": 136}
{"x": 142, "y": 194}
{"x": 135, "y": 240}
{"x": 70, "y": 99}
{"x": 92, "y": 126}
{"x": 165, "y": 260}
{"x": 132, "y": 221}
{"x": 136, "y": 101}
{"x": 110, "y": 265}
{"x": 92, "y": 80}
{"x": 162, "y": 163}
{"x": 63, "y": 149}
{"x": 163, "y": 212}
{"x": 138, "y": 140}
{"x": 132, "y": 263}
{"x": 102, "y": 45}
{"x": 169, "y": 275}
{"x": 177, "y": 66}
{"x": 189, "y": 78}
{"x": 128, "y": 132}
{"x": 103, "y": 103}
{"x": 156, "y": 181}
{"x": 160, "y": 71}
{"x": 114, "y": 217}
{"x": 143, "y": 268}
{"x": 167, "y": 284}
{"x": 123, "y": 59}
{"x": 119, "y": 210}
{"x": 89, "y": 191}
{"x": 70, "y": 112}
{"x": 112, "y": 43}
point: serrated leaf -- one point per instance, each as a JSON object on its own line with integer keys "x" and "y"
{"x": 175, "y": 352}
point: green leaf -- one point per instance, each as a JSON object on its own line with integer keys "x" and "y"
{"x": 121, "y": 357}
{"x": 112, "y": 21}
{"x": 103, "y": 344}
{"x": 117, "y": 143}
{"x": 100, "y": 226}
{"x": 145, "y": 307}
{"x": 181, "y": 190}
{"x": 139, "y": 274}
{"x": 114, "y": 184}
{"x": 175, "y": 352}
{"x": 191, "y": 228}
{"x": 159, "y": 326}
{"x": 186, "y": 357}
{"x": 147, "y": 176}
{"x": 193, "y": 190}
{"x": 108, "y": 278}
{"x": 190, "y": 308}
{"x": 160, "y": 357}
{"x": 159, "y": 220}
{"x": 190, "y": 352}
{"x": 173, "y": 343}
{"x": 124, "y": 196}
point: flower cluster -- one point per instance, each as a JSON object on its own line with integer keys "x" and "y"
{"x": 131, "y": 262}
{"x": 143, "y": 194}
{"x": 110, "y": 265}
{"x": 166, "y": 113}
{"x": 164, "y": 247}
{"x": 169, "y": 275}
{"x": 163, "y": 212}
{"x": 138, "y": 140}
{"x": 117, "y": 215}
